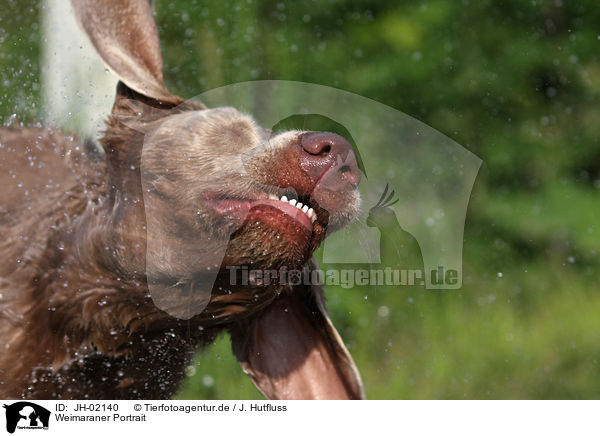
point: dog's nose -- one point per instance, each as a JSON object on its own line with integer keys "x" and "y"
{"x": 323, "y": 152}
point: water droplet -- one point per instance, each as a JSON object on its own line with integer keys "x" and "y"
{"x": 208, "y": 381}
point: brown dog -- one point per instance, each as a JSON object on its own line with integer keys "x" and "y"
{"x": 105, "y": 257}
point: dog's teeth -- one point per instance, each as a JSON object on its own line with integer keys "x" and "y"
{"x": 309, "y": 211}
{"x": 273, "y": 197}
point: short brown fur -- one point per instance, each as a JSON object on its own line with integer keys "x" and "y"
{"x": 77, "y": 317}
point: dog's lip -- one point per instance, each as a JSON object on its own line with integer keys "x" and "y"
{"x": 240, "y": 207}
{"x": 298, "y": 216}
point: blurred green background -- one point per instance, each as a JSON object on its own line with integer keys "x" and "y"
{"x": 515, "y": 82}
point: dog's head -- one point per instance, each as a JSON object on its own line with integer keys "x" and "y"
{"x": 214, "y": 175}
{"x": 196, "y": 190}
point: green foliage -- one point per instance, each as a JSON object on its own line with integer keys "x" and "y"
{"x": 20, "y": 37}
{"x": 515, "y": 82}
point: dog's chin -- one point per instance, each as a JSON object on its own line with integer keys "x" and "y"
{"x": 272, "y": 239}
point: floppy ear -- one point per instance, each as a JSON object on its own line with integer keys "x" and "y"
{"x": 124, "y": 34}
{"x": 292, "y": 351}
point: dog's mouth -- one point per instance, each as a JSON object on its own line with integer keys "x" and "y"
{"x": 277, "y": 210}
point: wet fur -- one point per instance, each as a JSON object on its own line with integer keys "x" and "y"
{"x": 75, "y": 304}
{"x": 86, "y": 236}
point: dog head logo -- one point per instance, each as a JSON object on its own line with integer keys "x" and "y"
{"x": 432, "y": 177}
{"x": 26, "y": 415}
{"x": 200, "y": 171}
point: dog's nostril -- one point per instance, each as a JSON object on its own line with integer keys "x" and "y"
{"x": 317, "y": 144}
{"x": 326, "y": 149}
{"x": 320, "y": 151}
{"x": 324, "y": 144}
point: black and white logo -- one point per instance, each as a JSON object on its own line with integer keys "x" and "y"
{"x": 26, "y": 415}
